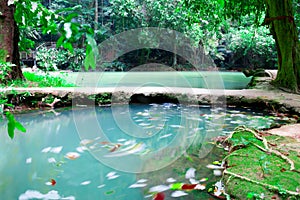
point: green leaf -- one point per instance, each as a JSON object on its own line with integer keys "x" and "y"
{"x": 11, "y": 129}
{"x": 20, "y": 127}
{"x": 10, "y": 117}
{"x": 68, "y": 46}
{"x": 89, "y": 60}
{"x": 9, "y": 105}
{"x": 70, "y": 17}
{"x": 222, "y": 3}
{"x": 60, "y": 41}
{"x": 176, "y": 186}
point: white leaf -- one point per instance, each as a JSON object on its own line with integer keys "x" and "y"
{"x": 56, "y": 149}
{"x": 85, "y": 183}
{"x": 51, "y": 160}
{"x": 178, "y": 193}
{"x": 138, "y": 185}
{"x": 190, "y": 173}
{"x": 28, "y": 160}
{"x": 159, "y": 188}
{"x": 171, "y": 180}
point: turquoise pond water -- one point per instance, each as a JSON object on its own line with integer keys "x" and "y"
{"x": 199, "y": 79}
{"x": 118, "y": 152}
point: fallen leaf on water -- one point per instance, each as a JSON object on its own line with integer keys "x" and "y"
{"x": 46, "y": 150}
{"x": 56, "y": 149}
{"x": 159, "y": 188}
{"x": 115, "y": 147}
{"x": 51, "y": 160}
{"x": 190, "y": 173}
{"x": 28, "y": 160}
{"x": 72, "y": 155}
{"x": 203, "y": 179}
{"x": 142, "y": 181}
{"x": 112, "y": 175}
{"x": 53, "y": 182}
{"x": 193, "y": 181}
{"x": 171, "y": 180}
{"x": 101, "y": 186}
{"x": 138, "y": 185}
{"x": 85, "y": 183}
{"x": 188, "y": 186}
{"x": 178, "y": 194}
{"x": 159, "y": 196}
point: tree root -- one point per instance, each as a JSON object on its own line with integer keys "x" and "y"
{"x": 271, "y": 187}
{"x": 266, "y": 148}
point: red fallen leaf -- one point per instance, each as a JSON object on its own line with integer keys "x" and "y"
{"x": 104, "y": 142}
{"x": 53, "y": 182}
{"x": 115, "y": 148}
{"x": 188, "y": 186}
{"x": 159, "y": 196}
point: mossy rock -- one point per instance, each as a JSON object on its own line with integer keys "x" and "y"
{"x": 256, "y": 171}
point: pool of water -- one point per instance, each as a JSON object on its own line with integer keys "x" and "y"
{"x": 201, "y": 79}
{"x": 119, "y": 152}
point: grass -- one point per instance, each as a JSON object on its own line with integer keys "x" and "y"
{"x": 46, "y": 80}
{"x": 256, "y": 174}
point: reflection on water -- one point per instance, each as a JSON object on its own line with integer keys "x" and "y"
{"x": 59, "y": 159}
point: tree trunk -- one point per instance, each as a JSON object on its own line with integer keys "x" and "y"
{"x": 280, "y": 17}
{"x": 96, "y": 15}
{"x": 9, "y": 39}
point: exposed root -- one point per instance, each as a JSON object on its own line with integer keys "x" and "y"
{"x": 53, "y": 103}
{"x": 270, "y": 187}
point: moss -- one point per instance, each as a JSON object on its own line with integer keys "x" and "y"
{"x": 270, "y": 173}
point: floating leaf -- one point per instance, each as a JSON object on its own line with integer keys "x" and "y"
{"x": 85, "y": 183}
{"x": 178, "y": 194}
{"x": 56, "y": 149}
{"x": 159, "y": 188}
{"x": 138, "y": 185}
{"x": 159, "y": 196}
{"x": 190, "y": 173}
{"x": 176, "y": 186}
{"x": 72, "y": 155}
{"x": 171, "y": 180}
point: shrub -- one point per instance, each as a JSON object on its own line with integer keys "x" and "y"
{"x": 252, "y": 47}
{"x": 52, "y": 59}
{"x": 5, "y": 68}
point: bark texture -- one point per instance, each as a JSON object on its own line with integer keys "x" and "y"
{"x": 280, "y": 17}
{"x": 9, "y": 39}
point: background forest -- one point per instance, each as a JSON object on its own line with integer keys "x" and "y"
{"x": 233, "y": 44}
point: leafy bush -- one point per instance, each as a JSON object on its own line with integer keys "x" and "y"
{"x": 5, "y": 68}
{"x": 76, "y": 59}
{"x": 52, "y": 59}
{"x": 114, "y": 66}
{"x": 47, "y": 80}
{"x": 252, "y": 47}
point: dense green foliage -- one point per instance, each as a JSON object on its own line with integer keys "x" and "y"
{"x": 12, "y": 123}
{"x": 208, "y": 26}
{"x": 46, "y": 80}
{"x": 52, "y": 59}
